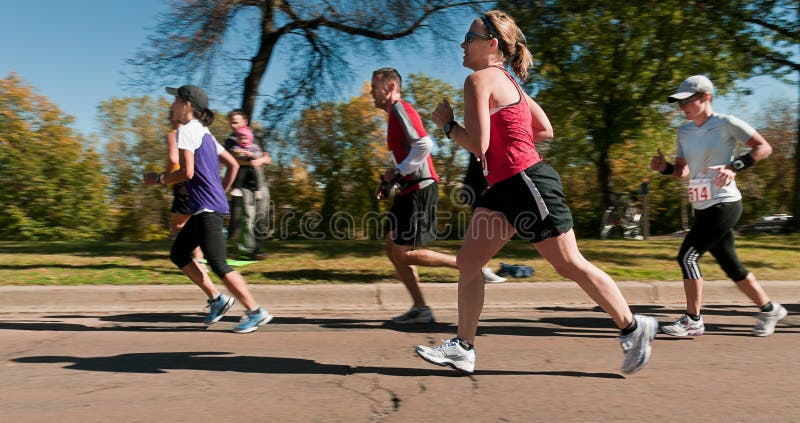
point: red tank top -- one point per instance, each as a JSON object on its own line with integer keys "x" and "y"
{"x": 511, "y": 149}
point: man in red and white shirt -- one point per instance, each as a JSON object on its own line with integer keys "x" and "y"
{"x": 412, "y": 218}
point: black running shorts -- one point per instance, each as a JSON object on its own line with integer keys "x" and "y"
{"x": 180, "y": 199}
{"x": 532, "y": 201}
{"x": 412, "y": 217}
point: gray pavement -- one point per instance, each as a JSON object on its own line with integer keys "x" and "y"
{"x": 545, "y": 353}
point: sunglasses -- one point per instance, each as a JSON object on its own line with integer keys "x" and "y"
{"x": 469, "y": 36}
{"x": 689, "y": 99}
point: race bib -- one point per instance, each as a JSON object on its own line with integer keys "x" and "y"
{"x": 701, "y": 190}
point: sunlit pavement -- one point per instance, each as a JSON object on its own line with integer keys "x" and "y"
{"x": 534, "y": 363}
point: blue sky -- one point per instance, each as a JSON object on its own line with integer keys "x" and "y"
{"x": 74, "y": 53}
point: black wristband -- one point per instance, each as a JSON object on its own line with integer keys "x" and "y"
{"x": 742, "y": 162}
{"x": 668, "y": 171}
{"x": 448, "y": 127}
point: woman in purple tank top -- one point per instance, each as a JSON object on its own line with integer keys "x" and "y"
{"x": 199, "y": 156}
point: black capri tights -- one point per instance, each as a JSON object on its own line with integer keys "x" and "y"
{"x": 713, "y": 231}
{"x": 203, "y": 230}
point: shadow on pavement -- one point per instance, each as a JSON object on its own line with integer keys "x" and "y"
{"x": 156, "y": 322}
{"x": 540, "y": 324}
{"x": 351, "y": 276}
{"x": 162, "y": 362}
{"x": 662, "y": 311}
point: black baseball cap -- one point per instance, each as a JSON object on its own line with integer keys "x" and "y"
{"x": 192, "y": 94}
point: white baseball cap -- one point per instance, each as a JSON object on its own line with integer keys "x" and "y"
{"x": 690, "y": 86}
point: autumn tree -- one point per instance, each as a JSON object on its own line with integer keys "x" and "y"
{"x": 133, "y": 130}
{"x": 344, "y": 144}
{"x": 448, "y": 157}
{"x": 768, "y": 186}
{"x": 51, "y": 184}
{"x": 316, "y": 36}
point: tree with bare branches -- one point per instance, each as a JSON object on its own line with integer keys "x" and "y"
{"x": 316, "y": 36}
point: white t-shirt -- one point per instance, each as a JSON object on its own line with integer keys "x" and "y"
{"x": 206, "y": 193}
{"x": 192, "y": 134}
{"x": 712, "y": 144}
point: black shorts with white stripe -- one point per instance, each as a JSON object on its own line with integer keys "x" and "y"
{"x": 533, "y": 201}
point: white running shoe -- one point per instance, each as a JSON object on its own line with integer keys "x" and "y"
{"x": 451, "y": 353}
{"x": 636, "y": 345}
{"x": 768, "y": 319}
{"x": 684, "y": 326}
{"x": 415, "y": 315}
{"x": 491, "y": 277}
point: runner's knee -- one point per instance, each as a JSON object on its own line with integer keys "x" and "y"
{"x": 219, "y": 266}
{"x": 735, "y": 271}
{"x": 468, "y": 266}
{"x": 180, "y": 258}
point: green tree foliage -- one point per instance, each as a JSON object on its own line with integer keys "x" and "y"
{"x": 605, "y": 66}
{"x": 51, "y": 185}
{"x": 294, "y": 189}
{"x": 133, "y": 131}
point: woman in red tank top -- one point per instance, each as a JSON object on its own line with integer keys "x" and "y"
{"x": 525, "y": 197}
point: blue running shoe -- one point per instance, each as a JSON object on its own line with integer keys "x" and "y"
{"x": 252, "y": 320}
{"x": 218, "y": 308}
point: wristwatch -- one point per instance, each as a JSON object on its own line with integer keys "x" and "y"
{"x": 449, "y": 127}
{"x": 738, "y": 164}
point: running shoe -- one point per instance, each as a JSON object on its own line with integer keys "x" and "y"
{"x": 450, "y": 353}
{"x": 636, "y": 345}
{"x": 765, "y": 326}
{"x": 218, "y": 308}
{"x": 684, "y": 326}
{"x": 415, "y": 315}
{"x": 252, "y": 320}
{"x": 491, "y": 277}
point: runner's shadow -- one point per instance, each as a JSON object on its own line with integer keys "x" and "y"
{"x": 146, "y": 322}
{"x": 540, "y": 324}
{"x": 138, "y": 317}
{"x": 351, "y": 276}
{"x": 656, "y": 310}
{"x": 77, "y": 327}
{"x": 581, "y": 327}
{"x": 163, "y": 362}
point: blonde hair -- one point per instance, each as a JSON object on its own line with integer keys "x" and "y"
{"x": 511, "y": 41}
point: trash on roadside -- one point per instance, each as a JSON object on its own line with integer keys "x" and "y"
{"x": 515, "y": 270}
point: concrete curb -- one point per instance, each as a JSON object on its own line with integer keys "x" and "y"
{"x": 382, "y": 296}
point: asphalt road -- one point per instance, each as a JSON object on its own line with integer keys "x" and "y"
{"x": 533, "y": 364}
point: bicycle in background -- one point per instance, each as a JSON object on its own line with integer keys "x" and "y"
{"x": 622, "y": 219}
